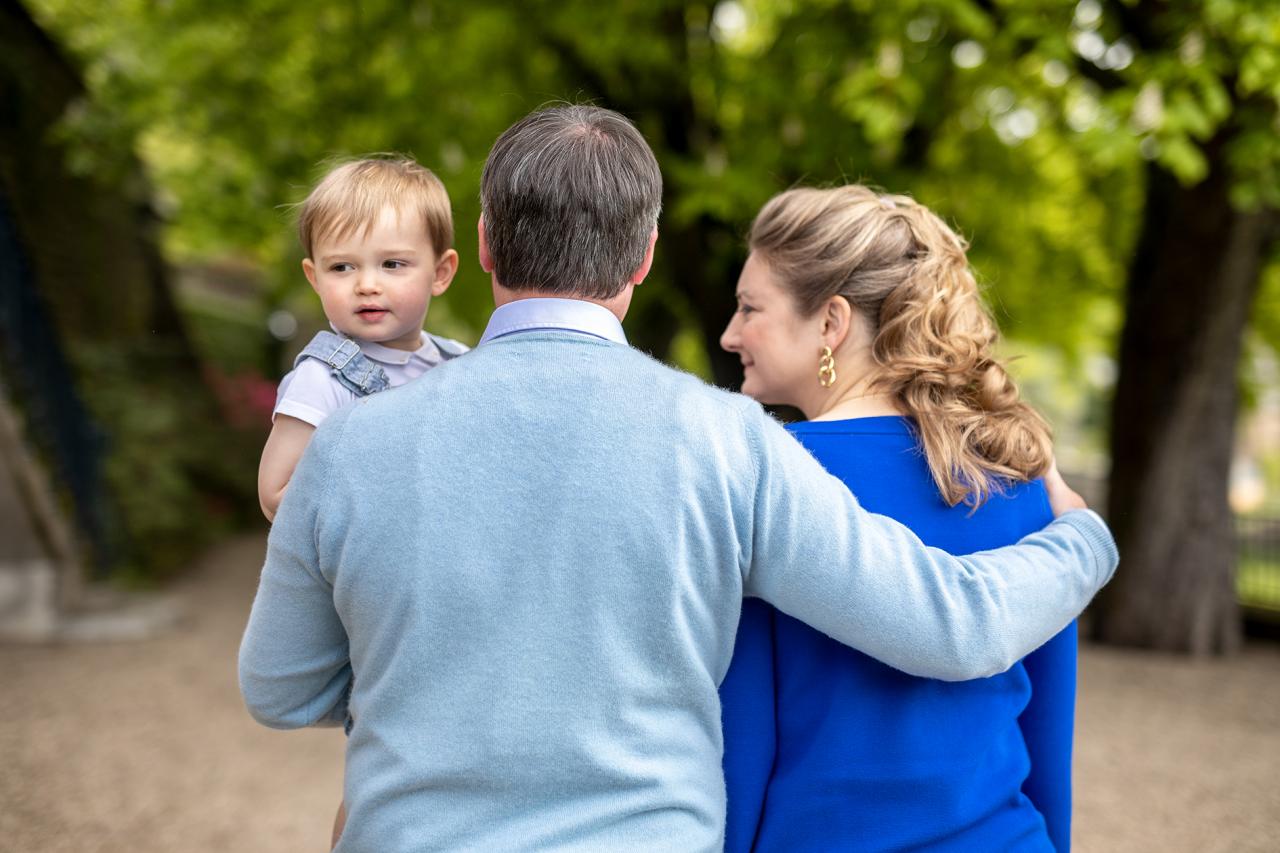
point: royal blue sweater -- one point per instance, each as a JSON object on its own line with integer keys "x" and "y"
{"x": 827, "y": 749}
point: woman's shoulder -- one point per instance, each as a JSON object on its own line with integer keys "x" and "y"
{"x": 876, "y": 425}
{"x": 881, "y": 461}
{"x": 855, "y": 447}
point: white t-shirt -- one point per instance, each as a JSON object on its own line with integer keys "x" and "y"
{"x": 310, "y": 392}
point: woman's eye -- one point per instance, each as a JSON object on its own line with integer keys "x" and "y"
{"x": 745, "y": 309}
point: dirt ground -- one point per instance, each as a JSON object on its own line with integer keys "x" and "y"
{"x": 144, "y": 746}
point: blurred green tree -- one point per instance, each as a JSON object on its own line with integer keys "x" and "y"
{"x": 1210, "y": 223}
{"x": 234, "y": 108}
{"x": 1109, "y": 159}
{"x": 94, "y": 352}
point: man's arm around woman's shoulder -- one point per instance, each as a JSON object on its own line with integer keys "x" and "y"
{"x": 869, "y": 582}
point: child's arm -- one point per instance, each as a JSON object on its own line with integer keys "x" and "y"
{"x": 289, "y": 437}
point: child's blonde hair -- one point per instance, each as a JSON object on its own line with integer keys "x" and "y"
{"x": 353, "y": 195}
{"x": 903, "y": 269}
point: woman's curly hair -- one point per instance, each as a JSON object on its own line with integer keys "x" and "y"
{"x": 902, "y": 268}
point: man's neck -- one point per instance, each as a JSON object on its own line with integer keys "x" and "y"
{"x": 618, "y": 305}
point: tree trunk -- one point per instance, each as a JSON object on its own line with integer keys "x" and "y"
{"x": 703, "y": 267}
{"x": 1194, "y": 277}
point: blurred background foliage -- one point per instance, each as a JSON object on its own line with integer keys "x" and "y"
{"x": 1028, "y": 123}
{"x": 1033, "y": 125}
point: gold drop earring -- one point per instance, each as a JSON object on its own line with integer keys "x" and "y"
{"x": 826, "y": 368}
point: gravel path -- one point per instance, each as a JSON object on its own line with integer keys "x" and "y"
{"x": 145, "y": 746}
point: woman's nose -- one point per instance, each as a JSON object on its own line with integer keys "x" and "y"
{"x": 729, "y": 338}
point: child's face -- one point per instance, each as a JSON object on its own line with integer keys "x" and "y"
{"x": 377, "y": 286}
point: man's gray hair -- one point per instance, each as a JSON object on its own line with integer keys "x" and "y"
{"x": 570, "y": 195}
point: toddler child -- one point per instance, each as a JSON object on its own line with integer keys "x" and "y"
{"x": 378, "y": 235}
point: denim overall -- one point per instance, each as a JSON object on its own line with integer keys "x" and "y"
{"x": 356, "y": 372}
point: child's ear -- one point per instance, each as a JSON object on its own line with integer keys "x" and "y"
{"x": 309, "y": 270}
{"x": 446, "y": 269}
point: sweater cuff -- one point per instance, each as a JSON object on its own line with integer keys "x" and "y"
{"x": 1098, "y": 536}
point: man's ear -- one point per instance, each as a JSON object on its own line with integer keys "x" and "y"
{"x": 643, "y": 270}
{"x": 486, "y": 260}
{"x": 309, "y": 270}
{"x": 446, "y": 269}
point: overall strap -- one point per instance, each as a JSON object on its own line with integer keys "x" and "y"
{"x": 353, "y": 369}
{"x": 448, "y": 347}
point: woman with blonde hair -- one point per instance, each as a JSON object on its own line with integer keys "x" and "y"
{"x": 861, "y": 310}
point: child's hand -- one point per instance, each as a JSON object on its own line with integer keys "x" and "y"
{"x": 339, "y": 823}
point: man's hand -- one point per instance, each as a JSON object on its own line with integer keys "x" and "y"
{"x": 1061, "y": 497}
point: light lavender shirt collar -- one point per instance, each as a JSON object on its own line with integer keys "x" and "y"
{"x": 568, "y": 315}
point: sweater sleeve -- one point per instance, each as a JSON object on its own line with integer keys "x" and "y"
{"x": 868, "y": 582}
{"x": 1048, "y": 724}
{"x": 294, "y": 665}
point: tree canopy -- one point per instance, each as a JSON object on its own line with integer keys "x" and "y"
{"x": 1026, "y": 123}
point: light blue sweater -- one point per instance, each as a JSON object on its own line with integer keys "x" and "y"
{"x": 532, "y": 559}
